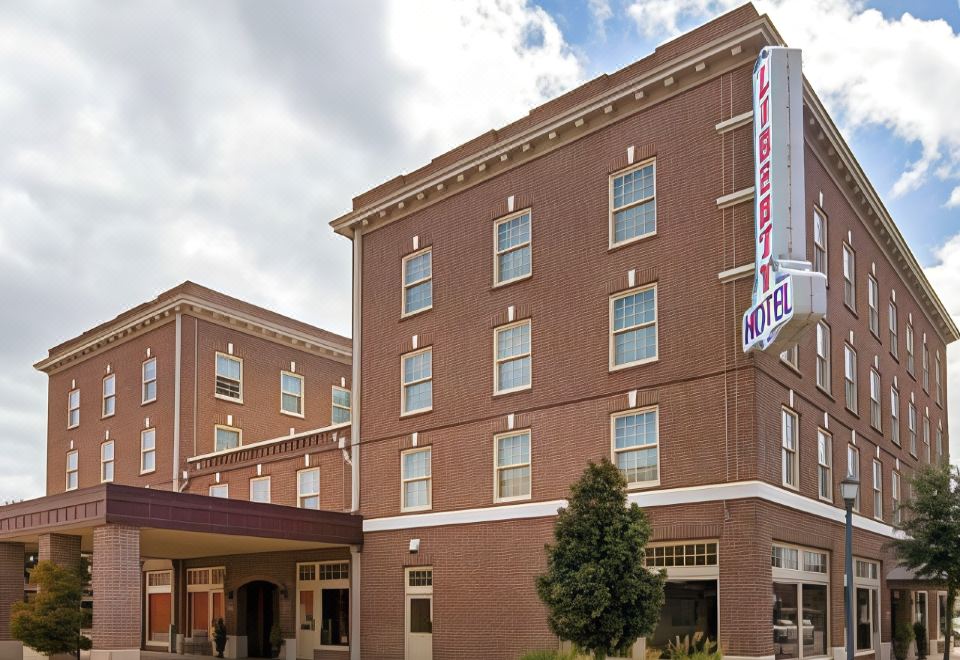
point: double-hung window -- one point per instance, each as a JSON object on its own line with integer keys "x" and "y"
{"x": 308, "y": 488}
{"x": 912, "y": 427}
{"x": 926, "y": 435}
{"x": 937, "y": 367}
{"x": 226, "y": 438}
{"x": 73, "y": 470}
{"x": 513, "y": 260}
{"x": 416, "y": 479}
{"x": 340, "y": 413}
{"x": 877, "y": 489}
{"x": 825, "y": 465}
{"x": 73, "y": 409}
{"x": 109, "y": 396}
{"x": 148, "y": 451}
{"x": 291, "y": 393}
{"x": 853, "y": 470}
{"x": 819, "y": 242}
{"x": 910, "y": 360}
{"x": 875, "y": 412}
{"x": 873, "y": 305}
{"x": 148, "y": 372}
{"x": 512, "y": 368}
{"x": 418, "y": 282}
{"x": 850, "y": 377}
{"x": 849, "y": 277}
{"x": 939, "y": 441}
{"x": 636, "y": 446}
{"x": 219, "y": 490}
{"x": 633, "y": 204}
{"x": 512, "y": 466}
{"x": 260, "y": 490}
{"x": 417, "y": 388}
{"x": 823, "y": 357}
{"x": 229, "y": 377}
{"x": 892, "y": 324}
{"x": 633, "y": 327}
{"x": 895, "y": 494}
{"x": 925, "y": 365}
{"x": 895, "y": 415}
{"x": 106, "y": 461}
{"x": 790, "y": 444}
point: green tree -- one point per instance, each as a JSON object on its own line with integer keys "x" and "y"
{"x": 599, "y": 594}
{"x": 50, "y": 623}
{"x": 931, "y": 525}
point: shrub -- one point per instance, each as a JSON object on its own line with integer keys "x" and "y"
{"x": 50, "y": 623}
{"x": 697, "y": 647}
{"x": 220, "y": 636}
{"x": 920, "y": 634}
{"x": 902, "y": 636}
{"x": 550, "y": 655}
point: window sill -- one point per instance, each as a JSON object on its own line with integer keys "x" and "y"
{"x": 416, "y": 509}
{"x": 414, "y": 413}
{"x": 515, "y": 390}
{"x": 146, "y": 403}
{"x": 826, "y": 393}
{"x": 113, "y": 414}
{"x": 512, "y": 500}
{"x": 291, "y": 414}
{"x": 646, "y": 485}
{"x": 628, "y": 365}
{"x": 224, "y": 397}
{"x": 147, "y": 472}
{"x": 409, "y": 315}
{"x": 795, "y": 369}
{"x": 630, "y": 241}
{"x": 522, "y": 278}
{"x": 828, "y": 500}
{"x": 75, "y": 426}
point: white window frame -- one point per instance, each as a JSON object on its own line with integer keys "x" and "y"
{"x": 876, "y": 396}
{"x": 497, "y": 360}
{"x": 406, "y": 286}
{"x": 893, "y": 327}
{"x": 925, "y": 365}
{"x": 877, "y": 489}
{"x": 824, "y": 358}
{"x": 850, "y": 379}
{"x": 791, "y": 357}
{"x": 853, "y": 470}
{"x": 104, "y": 462}
{"x": 940, "y": 441}
{"x": 820, "y": 248}
{"x": 404, "y": 480}
{"x": 911, "y": 356}
{"x": 216, "y": 375}
{"x": 926, "y": 434}
{"x": 876, "y": 607}
{"x": 217, "y": 488}
{"x": 938, "y": 379}
{"x": 896, "y": 495}
{"x": 790, "y": 448}
{"x": 497, "y": 468}
{"x": 75, "y": 471}
{"x": 824, "y": 463}
{"x": 797, "y": 578}
{"x": 611, "y": 229}
{"x": 301, "y": 397}
{"x": 112, "y": 378}
{"x": 224, "y": 427}
{"x": 912, "y": 428}
{"x": 497, "y": 252}
{"x": 895, "y": 415}
{"x": 144, "y": 451}
{"x": 334, "y": 406}
{"x": 404, "y": 385}
{"x": 613, "y": 366}
{"x": 260, "y": 480}
{"x": 71, "y": 408}
{"x": 301, "y": 495}
{"x": 635, "y": 485}
{"x": 144, "y": 381}
{"x": 849, "y": 277}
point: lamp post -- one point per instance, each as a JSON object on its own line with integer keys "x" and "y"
{"x": 849, "y": 488}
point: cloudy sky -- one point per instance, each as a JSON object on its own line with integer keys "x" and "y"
{"x": 143, "y": 143}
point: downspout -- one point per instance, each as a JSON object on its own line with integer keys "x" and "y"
{"x": 355, "y": 442}
{"x": 176, "y": 405}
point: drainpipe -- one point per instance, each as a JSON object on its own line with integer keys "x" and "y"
{"x": 355, "y": 374}
{"x": 176, "y": 406}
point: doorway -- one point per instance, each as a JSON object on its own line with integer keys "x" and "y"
{"x": 258, "y": 607}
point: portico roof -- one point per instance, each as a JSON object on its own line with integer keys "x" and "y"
{"x": 179, "y": 525}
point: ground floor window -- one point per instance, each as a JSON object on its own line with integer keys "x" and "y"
{"x": 204, "y": 599}
{"x": 690, "y": 605}
{"x": 418, "y": 612}
{"x": 158, "y": 606}
{"x": 801, "y": 585}
{"x": 941, "y": 615}
{"x": 323, "y": 606}
{"x": 866, "y": 604}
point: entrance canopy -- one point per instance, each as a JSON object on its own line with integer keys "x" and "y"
{"x": 178, "y": 525}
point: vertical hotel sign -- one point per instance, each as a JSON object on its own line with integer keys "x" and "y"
{"x": 788, "y": 296}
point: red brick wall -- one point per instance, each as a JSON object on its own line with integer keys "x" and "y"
{"x": 117, "y": 601}
{"x": 11, "y": 583}
{"x": 61, "y": 549}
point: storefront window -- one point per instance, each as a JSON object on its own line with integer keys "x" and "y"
{"x": 785, "y": 621}
{"x": 866, "y": 604}
{"x": 814, "y": 620}
{"x": 689, "y": 608}
{"x": 335, "y": 625}
{"x": 864, "y": 620}
{"x": 800, "y": 602}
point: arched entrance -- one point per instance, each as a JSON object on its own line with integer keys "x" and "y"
{"x": 258, "y": 607}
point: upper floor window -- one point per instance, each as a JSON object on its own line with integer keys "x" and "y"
{"x": 939, "y": 441}
{"x": 417, "y": 390}
{"x": 73, "y": 470}
{"x": 853, "y": 470}
{"x": 512, "y": 369}
{"x": 109, "y": 395}
{"x": 418, "y": 281}
{"x": 910, "y": 361}
{"x": 633, "y": 327}
{"x": 148, "y": 451}
{"x": 849, "y": 277}
{"x": 825, "y": 464}
{"x": 340, "y": 412}
{"x": 633, "y": 205}
{"x": 912, "y": 427}
{"x": 895, "y": 494}
{"x": 291, "y": 393}
{"x": 229, "y": 377}
{"x": 791, "y": 356}
{"x": 789, "y": 441}
{"x": 73, "y": 408}
{"x": 513, "y": 260}
{"x": 819, "y": 242}
{"x": 875, "y": 409}
{"x": 877, "y": 490}
{"x": 873, "y": 305}
{"x": 512, "y": 466}
{"x": 926, "y": 436}
{"x": 895, "y": 415}
{"x": 219, "y": 490}
{"x": 892, "y": 323}
{"x": 636, "y": 446}
{"x": 416, "y": 479}
{"x": 308, "y": 488}
{"x": 850, "y": 377}
{"x": 149, "y": 380}
{"x": 226, "y": 438}
{"x": 260, "y": 490}
{"x": 823, "y": 356}
{"x": 106, "y": 461}
{"x": 938, "y": 383}
{"x": 925, "y": 365}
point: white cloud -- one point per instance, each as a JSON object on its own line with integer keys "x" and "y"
{"x": 945, "y": 277}
{"x": 954, "y": 200}
{"x": 897, "y": 73}
{"x": 600, "y": 13}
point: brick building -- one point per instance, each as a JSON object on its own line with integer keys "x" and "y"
{"x": 570, "y": 287}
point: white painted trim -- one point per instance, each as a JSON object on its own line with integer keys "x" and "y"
{"x": 668, "y": 497}
{"x": 734, "y": 198}
{"x": 738, "y": 273}
{"x": 735, "y": 122}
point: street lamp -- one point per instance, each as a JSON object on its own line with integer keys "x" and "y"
{"x": 849, "y": 488}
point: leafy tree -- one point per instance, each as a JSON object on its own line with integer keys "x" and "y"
{"x": 600, "y": 595}
{"x": 50, "y": 623}
{"x": 932, "y": 527}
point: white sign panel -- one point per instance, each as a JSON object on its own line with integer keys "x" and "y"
{"x": 787, "y": 296}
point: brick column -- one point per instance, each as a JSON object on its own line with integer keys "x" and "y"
{"x": 61, "y": 549}
{"x": 11, "y": 591}
{"x": 116, "y": 593}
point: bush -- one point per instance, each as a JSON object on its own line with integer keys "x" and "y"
{"x": 920, "y": 634}
{"x": 276, "y": 639}
{"x": 220, "y": 636}
{"x": 902, "y": 636}
{"x": 550, "y": 655}
{"x": 50, "y": 623}
{"x": 698, "y": 647}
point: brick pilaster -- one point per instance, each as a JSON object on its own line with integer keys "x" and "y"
{"x": 11, "y": 583}
{"x": 61, "y": 549}
{"x": 116, "y": 587}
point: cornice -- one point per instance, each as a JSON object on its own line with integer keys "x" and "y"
{"x": 326, "y": 438}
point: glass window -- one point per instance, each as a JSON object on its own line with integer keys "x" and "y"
{"x": 418, "y": 282}
{"x": 783, "y": 557}
{"x": 149, "y": 381}
{"x": 925, "y": 365}
{"x": 895, "y": 415}
{"x": 291, "y": 393}
{"x": 865, "y": 614}
{"x": 219, "y": 490}
{"x": 875, "y": 412}
{"x": 73, "y": 472}
{"x": 681, "y": 554}
{"x": 823, "y": 356}
{"x": 877, "y": 490}
{"x": 335, "y": 617}
{"x": 513, "y": 466}
{"x": 689, "y": 610}
{"x": 936, "y": 378}
{"x": 633, "y": 337}
{"x": 912, "y": 427}
{"x": 926, "y": 436}
{"x": 513, "y": 248}
{"x": 148, "y": 450}
{"x": 513, "y": 357}
{"x": 819, "y": 242}
{"x": 786, "y": 610}
{"x": 910, "y": 361}
{"x": 814, "y": 620}
{"x": 788, "y": 434}
{"x": 226, "y": 438}
{"x": 849, "y": 277}
{"x": 634, "y": 207}
{"x": 229, "y": 377}
{"x": 636, "y": 447}
{"x": 416, "y": 479}
{"x": 892, "y": 322}
{"x": 850, "y": 377}
{"x": 873, "y": 304}
{"x": 895, "y": 494}
{"x": 939, "y": 441}
{"x": 106, "y": 461}
{"x": 418, "y": 381}
{"x": 853, "y": 470}
{"x": 73, "y": 408}
{"x": 260, "y": 489}
{"x": 792, "y": 356}
{"x": 825, "y": 464}
{"x": 109, "y": 395}
{"x": 341, "y": 405}
{"x": 308, "y": 488}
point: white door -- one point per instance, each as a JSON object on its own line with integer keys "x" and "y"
{"x": 306, "y": 623}
{"x": 419, "y": 627}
